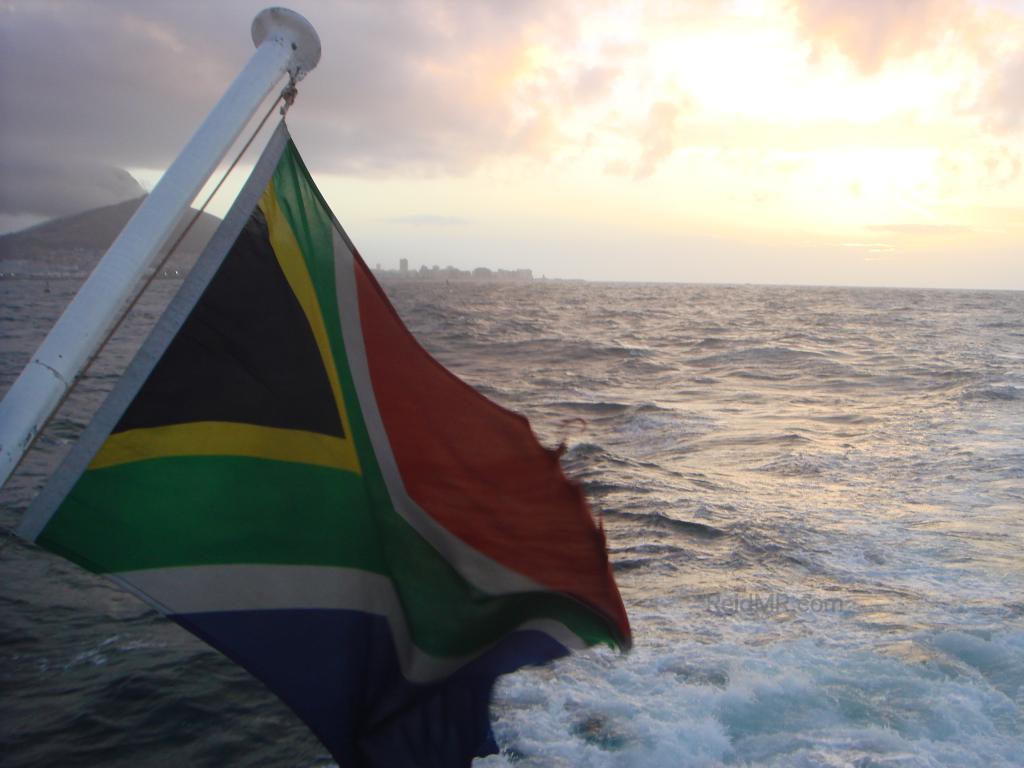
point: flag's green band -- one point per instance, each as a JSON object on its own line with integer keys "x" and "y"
{"x": 201, "y": 510}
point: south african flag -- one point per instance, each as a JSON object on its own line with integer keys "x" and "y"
{"x": 285, "y": 472}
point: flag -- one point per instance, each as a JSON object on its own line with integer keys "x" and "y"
{"x": 285, "y": 472}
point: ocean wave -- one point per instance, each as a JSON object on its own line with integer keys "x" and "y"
{"x": 794, "y": 465}
{"x": 844, "y": 418}
{"x": 995, "y": 392}
{"x": 756, "y": 356}
{"x": 1000, "y": 661}
{"x": 664, "y": 522}
{"x": 741, "y": 439}
{"x": 566, "y": 350}
{"x": 712, "y": 342}
{"x": 596, "y": 408}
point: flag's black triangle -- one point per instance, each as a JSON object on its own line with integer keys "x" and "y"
{"x": 245, "y": 354}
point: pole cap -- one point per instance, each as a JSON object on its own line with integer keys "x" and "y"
{"x": 293, "y": 29}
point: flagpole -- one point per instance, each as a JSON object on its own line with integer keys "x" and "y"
{"x": 285, "y": 44}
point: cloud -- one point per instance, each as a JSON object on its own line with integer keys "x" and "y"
{"x": 47, "y": 188}
{"x": 873, "y": 247}
{"x": 871, "y": 32}
{"x": 658, "y": 138}
{"x": 101, "y": 83}
{"x": 919, "y": 229}
{"x": 90, "y": 89}
{"x": 429, "y": 221}
{"x": 433, "y": 88}
{"x": 413, "y": 87}
{"x": 1002, "y": 99}
{"x": 594, "y": 83}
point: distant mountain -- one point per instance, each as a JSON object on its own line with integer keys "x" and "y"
{"x": 71, "y": 245}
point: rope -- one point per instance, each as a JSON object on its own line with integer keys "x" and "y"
{"x": 287, "y": 96}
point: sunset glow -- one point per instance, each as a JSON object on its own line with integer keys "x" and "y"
{"x": 769, "y": 123}
{"x": 827, "y": 133}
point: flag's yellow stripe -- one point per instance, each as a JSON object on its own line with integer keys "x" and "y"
{"x": 289, "y": 256}
{"x": 223, "y": 438}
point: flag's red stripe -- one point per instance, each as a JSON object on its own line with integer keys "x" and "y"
{"x": 477, "y": 468}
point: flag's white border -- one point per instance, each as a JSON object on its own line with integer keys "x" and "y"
{"x": 215, "y": 588}
{"x": 477, "y": 568}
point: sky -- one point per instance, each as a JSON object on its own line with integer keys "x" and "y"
{"x": 825, "y": 142}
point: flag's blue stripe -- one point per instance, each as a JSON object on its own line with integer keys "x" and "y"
{"x": 338, "y": 671}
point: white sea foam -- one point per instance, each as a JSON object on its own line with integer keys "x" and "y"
{"x": 951, "y": 699}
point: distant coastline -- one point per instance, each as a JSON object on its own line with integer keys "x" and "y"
{"x": 449, "y": 273}
{"x": 69, "y": 247}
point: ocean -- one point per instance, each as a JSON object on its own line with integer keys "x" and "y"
{"x": 814, "y": 502}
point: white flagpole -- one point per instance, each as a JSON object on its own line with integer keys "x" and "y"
{"x": 285, "y": 43}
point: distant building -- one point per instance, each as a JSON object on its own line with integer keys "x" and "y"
{"x": 450, "y": 273}
{"x": 514, "y": 274}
